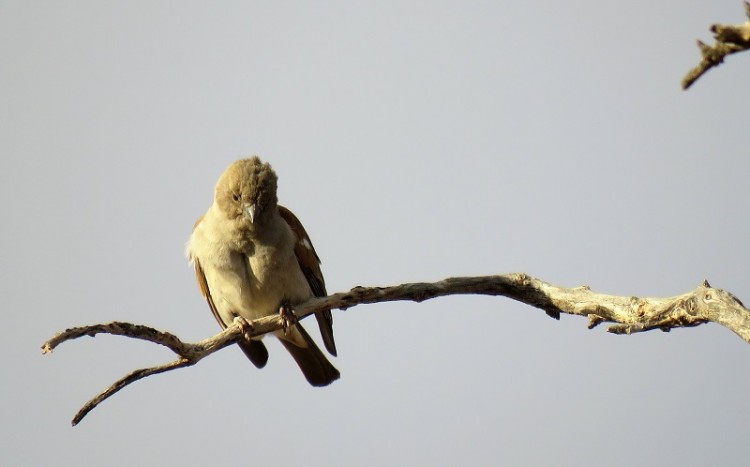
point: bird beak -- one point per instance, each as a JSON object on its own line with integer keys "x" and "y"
{"x": 250, "y": 212}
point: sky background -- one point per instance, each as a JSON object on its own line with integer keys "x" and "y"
{"x": 416, "y": 141}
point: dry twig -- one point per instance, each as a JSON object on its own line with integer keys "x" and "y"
{"x": 730, "y": 38}
{"x": 630, "y": 315}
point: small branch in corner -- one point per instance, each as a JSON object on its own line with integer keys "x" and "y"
{"x": 730, "y": 39}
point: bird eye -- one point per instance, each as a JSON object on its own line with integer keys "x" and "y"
{"x": 235, "y": 196}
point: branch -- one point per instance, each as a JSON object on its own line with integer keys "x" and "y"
{"x": 730, "y": 38}
{"x": 629, "y": 315}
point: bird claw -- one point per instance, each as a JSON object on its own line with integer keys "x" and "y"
{"x": 245, "y": 327}
{"x": 288, "y": 318}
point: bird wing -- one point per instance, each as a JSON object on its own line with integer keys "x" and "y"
{"x": 255, "y": 350}
{"x": 309, "y": 263}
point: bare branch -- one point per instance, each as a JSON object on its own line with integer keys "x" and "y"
{"x": 730, "y": 38}
{"x": 629, "y": 315}
{"x": 124, "y": 381}
{"x": 189, "y": 354}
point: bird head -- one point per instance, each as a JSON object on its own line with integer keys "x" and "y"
{"x": 247, "y": 190}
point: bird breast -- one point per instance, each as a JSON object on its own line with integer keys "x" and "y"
{"x": 253, "y": 281}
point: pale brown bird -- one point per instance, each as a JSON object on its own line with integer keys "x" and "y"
{"x": 252, "y": 257}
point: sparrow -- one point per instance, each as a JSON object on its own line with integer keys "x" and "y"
{"x": 253, "y": 258}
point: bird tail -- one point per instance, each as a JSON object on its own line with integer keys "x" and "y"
{"x": 256, "y": 351}
{"x": 314, "y": 365}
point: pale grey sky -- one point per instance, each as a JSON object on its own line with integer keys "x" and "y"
{"x": 416, "y": 141}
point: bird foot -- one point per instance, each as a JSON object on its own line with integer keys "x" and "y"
{"x": 245, "y": 327}
{"x": 288, "y": 318}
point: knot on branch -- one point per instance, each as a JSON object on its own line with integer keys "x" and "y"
{"x": 730, "y": 34}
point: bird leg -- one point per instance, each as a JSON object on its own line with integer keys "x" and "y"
{"x": 286, "y": 312}
{"x": 245, "y": 327}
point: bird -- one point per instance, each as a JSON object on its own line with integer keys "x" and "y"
{"x": 253, "y": 258}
